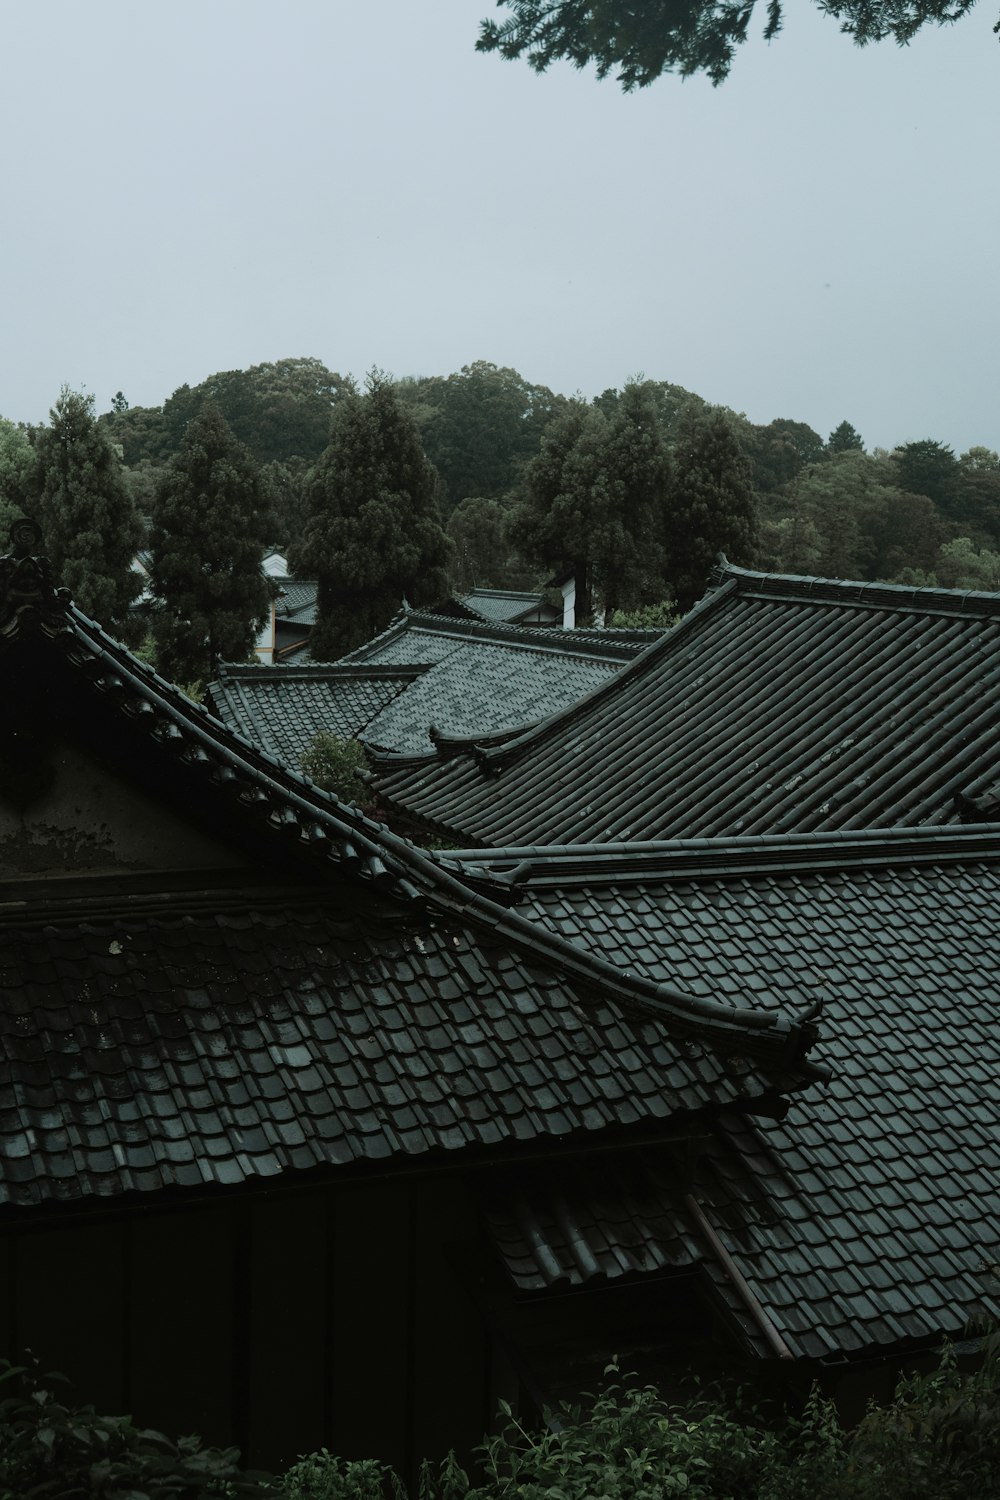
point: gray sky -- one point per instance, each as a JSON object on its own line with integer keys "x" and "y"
{"x": 208, "y": 184}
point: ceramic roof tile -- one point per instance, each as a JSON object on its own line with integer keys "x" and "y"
{"x": 394, "y": 1061}
{"x": 774, "y": 707}
{"x": 895, "y": 1163}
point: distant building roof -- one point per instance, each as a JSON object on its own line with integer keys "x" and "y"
{"x": 281, "y": 708}
{"x": 779, "y": 704}
{"x": 510, "y": 607}
{"x": 459, "y": 676}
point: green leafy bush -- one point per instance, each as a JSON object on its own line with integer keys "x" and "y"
{"x": 939, "y": 1439}
{"x": 323, "y": 1476}
{"x": 336, "y": 765}
{"x": 51, "y": 1451}
{"x": 645, "y": 617}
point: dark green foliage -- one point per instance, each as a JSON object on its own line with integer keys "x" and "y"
{"x": 16, "y": 464}
{"x": 139, "y": 431}
{"x": 628, "y": 539}
{"x": 712, "y": 507}
{"x": 975, "y": 505}
{"x": 479, "y": 428}
{"x": 639, "y": 42}
{"x": 844, "y": 438}
{"x": 374, "y": 534}
{"x": 60, "y": 1452}
{"x": 555, "y": 522}
{"x": 478, "y": 529}
{"x": 284, "y": 491}
{"x": 206, "y": 543}
{"x": 780, "y": 451}
{"x": 323, "y": 1476}
{"x": 90, "y": 523}
{"x": 279, "y": 411}
{"x": 646, "y": 617}
{"x": 927, "y": 468}
{"x": 594, "y": 502}
{"x": 938, "y": 1439}
{"x": 963, "y": 565}
{"x": 335, "y": 765}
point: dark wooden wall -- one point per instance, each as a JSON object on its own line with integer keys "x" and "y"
{"x": 282, "y": 1321}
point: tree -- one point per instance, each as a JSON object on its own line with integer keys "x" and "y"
{"x": 628, "y": 533}
{"x": 712, "y": 506}
{"x": 479, "y": 428}
{"x": 593, "y": 502}
{"x": 976, "y": 504}
{"x": 927, "y": 468}
{"x": 963, "y": 565}
{"x": 844, "y": 438}
{"x": 17, "y": 459}
{"x": 90, "y": 523}
{"x": 478, "y": 529}
{"x": 206, "y": 546}
{"x": 639, "y": 42}
{"x": 780, "y": 451}
{"x": 280, "y": 411}
{"x": 374, "y": 532}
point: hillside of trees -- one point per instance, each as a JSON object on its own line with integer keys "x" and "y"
{"x": 476, "y": 478}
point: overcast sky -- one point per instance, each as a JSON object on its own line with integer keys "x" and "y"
{"x": 207, "y": 184}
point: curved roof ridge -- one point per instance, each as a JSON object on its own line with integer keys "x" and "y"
{"x": 734, "y": 855}
{"x": 492, "y": 760}
{"x": 298, "y": 811}
{"x": 858, "y": 591}
{"x": 617, "y": 644}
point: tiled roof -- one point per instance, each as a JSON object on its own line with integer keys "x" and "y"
{"x": 377, "y": 1002}
{"x": 280, "y": 709}
{"x": 503, "y": 606}
{"x": 187, "y": 1042}
{"x": 870, "y": 1215}
{"x": 778, "y": 705}
{"x": 484, "y": 678}
{"x": 297, "y": 600}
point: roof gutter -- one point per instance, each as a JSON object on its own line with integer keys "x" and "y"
{"x": 768, "y": 1332}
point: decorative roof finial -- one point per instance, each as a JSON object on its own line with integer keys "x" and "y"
{"x": 26, "y": 584}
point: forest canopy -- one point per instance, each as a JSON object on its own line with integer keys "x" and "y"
{"x": 422, "y": 486}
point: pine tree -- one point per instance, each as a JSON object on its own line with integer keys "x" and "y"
{"x": 628, "y": 544}
{"x": 90, "y": 523}
{"x": 844, "y": 439}
{"x": 712, "y": 507}
{"x": 17, "y": 460}
{"x": 594, "y": 501}
{"x": 374, "y": 534}
{"x": 554, "y": 522}
{"x": 207, "y": 545}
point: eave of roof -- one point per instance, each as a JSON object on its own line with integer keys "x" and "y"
{"x": 33, "y": 615}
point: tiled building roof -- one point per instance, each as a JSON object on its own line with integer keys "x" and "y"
{"x": 370, "y": 1002}
{"x": 778, "y": 705}
{"x": 462, "y": 677}
{"x": 280, "y": 709}
{"x": 185, "y": 1045}
{"x": 509, "y": 607}
{"x": 870, "y": 1214}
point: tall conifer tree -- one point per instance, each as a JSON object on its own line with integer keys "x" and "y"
{"x": 90, "y": 523}
{"x": 374, "y": 534}
{"x": 712, "y": 507}
{"x": 594, "y": 501}
{"x": 207, "y": 542}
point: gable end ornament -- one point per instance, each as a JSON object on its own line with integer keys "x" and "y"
{"x": 27, "y": 588}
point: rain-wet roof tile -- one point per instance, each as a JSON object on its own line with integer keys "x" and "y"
{"x": 778, "y": 705}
